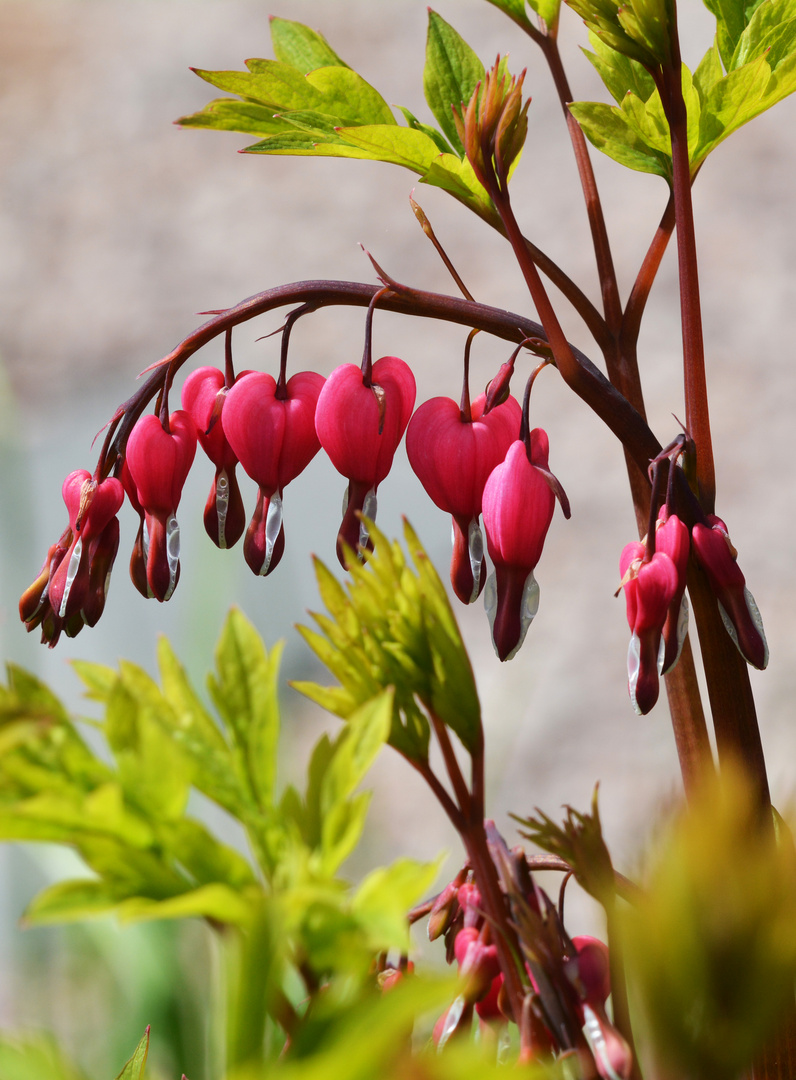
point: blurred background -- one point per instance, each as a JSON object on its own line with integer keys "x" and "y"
{"x": 116, "y": 228}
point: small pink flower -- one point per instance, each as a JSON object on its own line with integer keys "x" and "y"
{"x": 518, "y": 503}
{"x": 650, "y": 588}
{"x": 737, "y": 607}
{"x": 672, "y": 538}
{"x": 274, "y": 439}
{"x": 453, "y": 457}
{"x": 360, "y": 426}
{"x": 203, "y": 396}
{"x": 159, "y": 460}
{"x": 71, "y": 587}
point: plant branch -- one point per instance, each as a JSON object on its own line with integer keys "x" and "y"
{"x": 459, "y": 784}
{"x": 587, "y": 381}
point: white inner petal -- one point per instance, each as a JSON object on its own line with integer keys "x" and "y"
{"x": 71, "y": 574}
{"x": 757, "y": 619}
{"x": 451, "y": 1020}
{"x": 222, "y": 505}
{"x": 633, "y": 667}
{"x": 273, "y": 523}
{"x": 368, "y": 511}
{"x": 172, "y": 553}
{"x": 596, "y": 1040}
{"x": 475, "y": 545}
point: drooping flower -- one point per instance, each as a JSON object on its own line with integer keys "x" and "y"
{"x": 272, "y": 433}
{"x": 737, "y": 607}
{"x": 672, "y": 538}
{"x": 360, "y": 421}
{"x": 72, "y": 585}
{"x": 591, "y": 971}
{"x": 650, "y": 587}
{"x": 452, "y": 456}
{"x": 519, "y": 498}
{"x": 203, "y": 396}
{"x": 159, "y": 460}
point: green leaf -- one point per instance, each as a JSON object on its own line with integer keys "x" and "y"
{"x": 341, "y": 831}
{"x": 356, "y": 750}
{"x": 301, "y": 47}
{"x": 348, "y": 97}
{"x": 70, "y": 901}
{"x": 398, "y": 145}
{"x": 34, "y": 1058}
{"x": 456, "y": 176}
{"x": 451, "y": 74}
{"x": 134, "y": 1069}
{"x": 227, "y": 114}
{"x": 548, "y": 11}
{"x": 217, "y": 902}
{"x": 439, "y": 139}
{"x": 244, "y": 691}
{"x": 98, "y": 679}
{"x": 384, "y": 897}
{"x": 610, "y": 130}
{"x": 515, "y": 9}
{"x": 732, "y": 17}
{"x": 619, "y": 73}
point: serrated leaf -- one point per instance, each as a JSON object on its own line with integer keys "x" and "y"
{"x": 301, "y": 47}
{"x": 732, "y": 17}
{"x": 227, "y": 114}
{"x": 244, "y": 691}
{"x": 610, "y": 131}
{"x": 619, "y": 73}
{"x": 356, "y": 748}
{"x": 451, "y": 73}
{"x": 134, "y": 1069}
{"x": 348, "y": 97}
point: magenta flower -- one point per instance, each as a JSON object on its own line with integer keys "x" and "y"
{"x": 518, "y": 502}
{"x": 650, "y": 588}
{"x": 72, "y": 585}
{"x": 672, "y": 538}
{"x": 360, "y": 423}
{"x": 273, "y": 435}
{"x": 453, "y": 457}
{"x": 203, "y": 396}
{"x": 158, "y": 461}
{"x": 737, "y": 607}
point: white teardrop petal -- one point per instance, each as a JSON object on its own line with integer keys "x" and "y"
{"x": 273, "y": 524}
{"x": 71, "y": 574}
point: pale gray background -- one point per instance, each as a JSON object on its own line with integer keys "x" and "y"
{"x": 116, "y": 227}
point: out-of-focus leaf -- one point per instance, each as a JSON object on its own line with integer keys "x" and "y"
{"x": 134, "y": 1069}
{"x": 451, "y": 74}
{"x": 217, "y": 902}
{"x": 34, "y": 1058}
{"x": 301, "y": 47}
{"x": 385, "y": 896}
{"x": 244, "y": 690}
{"x": 70, "y": 901}
{"x": 712, "y": 941}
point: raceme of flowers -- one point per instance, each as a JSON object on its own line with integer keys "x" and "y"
{"x": 480, "y": 463}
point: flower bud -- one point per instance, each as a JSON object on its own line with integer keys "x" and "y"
{"x": 672, "y": 538}
{"x": 737, "y": 606}
{"x": 649, "y": 588}
{"x": 518, "y": 507}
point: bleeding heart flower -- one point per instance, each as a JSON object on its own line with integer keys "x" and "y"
{"x": 737, "y": 607}
{"x": 650, "y": 587}
{"x": 519, "y": 498}
{"x": 672, "y": 538}
{"x": 272, "y": 432}
{"x": 360, "y": 423}
{"x": 71, "y": 587}
{"x": 203, "y": 396}
{"x": 158, "y": 461}
{"x": 453, "y": 457}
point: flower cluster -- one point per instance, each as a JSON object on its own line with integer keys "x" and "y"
{"x": 568, "y": 978}
{"x": 472, "y": 460}
{"x": 654, "y": 573}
